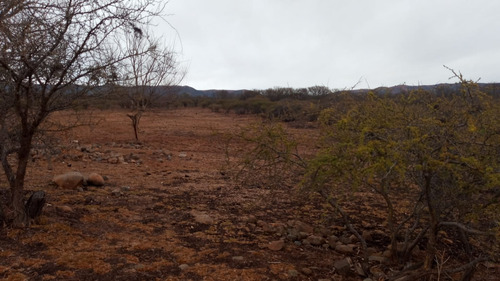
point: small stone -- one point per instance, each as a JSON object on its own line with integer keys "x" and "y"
{"x": 301, "y": 226}
{"x": 268, "y": 228}
{"x": 125, "y": 188}
{"x": 238, "y": 258}
{"x": 139, "y": 266}
{"x": 342, "y": 266}
{"x": 64, "y": 209}
{"x": 303, "y": 235}
{"x": 251, "y": 219}
{"x": 113, "y": 160}
{"x": 344, "y": 249}
{"x": 377, "y": 272}
{"x": 292, "y": 234}
{"x": 332, "y": 241}
{"x": 315, "y": 240}
{"x": 183, "y": 266}
{"x": 201, "y": 217}
{"x": 121, "y": 159}
{"x": 276, "y": 245}
{"x": 377, "y": 259}
{"x": 345, "y": 240}
{"x": 293, "y": 273}
{"x": 359, "y": 269}
{"x": 387, "y": 253}
{"x": 370, "y": 251}
{"x": 322, "y": 231}
{"x": 367, "y": 236}
{"x": 116, "y": 192}
{"x": 306, "y": 271}
{"x": 366, "y": 224}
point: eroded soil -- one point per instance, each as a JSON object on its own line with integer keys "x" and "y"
{"x": 168, "y": 211}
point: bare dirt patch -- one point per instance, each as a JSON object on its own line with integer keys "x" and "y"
{"x": 167, "y": 211}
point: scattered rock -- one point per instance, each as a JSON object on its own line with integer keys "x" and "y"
{"x": 404, "y": 278}
{"x": 491, "y": 265}
{"x": 251, "y": 219}
{"x": 238, "y": 258}
{"x": 64, "y": 209}
{"x": 366, "y": 224}
{"x": 268, "y": 228}
{"x": 314, "y": 240}
{"x": 276, "y": 245}
{"x": 70, "y": 180}
{"x": 300, "y": 226}
{"x": 293, "y": 273}
{"x": 121, "y": 159}
{"x": 359, "y": 269}
{"x": 201, "y": 217}
{"x": 116, "y": 192}
{"x": 344, "y": 249}
{"x": 367, "y": 235}
{"x": 86, "y": 149}
{"x": 303, "y": 235}
{"x": 370, "y": 251}
{"x": 292, "y": 234}
{"x": 306, "y": 271}
{"x": 183, "y": 266}
{"x": 139, "y": 266}
{"x": 377, "y": 259}
{"x": 113, "y": 160}
{"x": 377, "y": 273}
{"x": 95, "y": 179}
{"x": 332, "y": 241}
{"x": 345, "y": 240}
{"x": 342, "y": 266}
{"x": 387, "y": 253}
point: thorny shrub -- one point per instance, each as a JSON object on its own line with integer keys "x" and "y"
{"x": 437, "y": 153}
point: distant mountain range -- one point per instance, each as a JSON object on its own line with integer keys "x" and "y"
{"x": 493, "y": 88}
{"x": 187, "y": 90}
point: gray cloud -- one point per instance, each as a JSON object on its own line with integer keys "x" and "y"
{"x": 235, "y": 44}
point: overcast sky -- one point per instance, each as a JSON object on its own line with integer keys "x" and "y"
{"x": 259, "y": 44}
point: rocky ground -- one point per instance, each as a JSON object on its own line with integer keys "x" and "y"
{"x": 168, "y": 211}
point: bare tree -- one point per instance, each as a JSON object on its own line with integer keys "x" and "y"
{"x": 149, "y": 65}
{"x": 53, "y": 53}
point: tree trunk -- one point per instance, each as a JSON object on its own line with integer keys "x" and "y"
{"x": 136, "y": 118}
{"x": 17, "y": 190}
{"x": 2, "y": 216}
{"x": 433, "y": 230}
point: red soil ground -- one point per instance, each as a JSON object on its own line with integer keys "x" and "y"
{"x": 142, "y": 224}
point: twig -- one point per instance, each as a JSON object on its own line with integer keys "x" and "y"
{"x": 465, "y": 228}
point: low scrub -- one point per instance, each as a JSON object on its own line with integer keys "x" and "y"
{"x": 431, "y": 159}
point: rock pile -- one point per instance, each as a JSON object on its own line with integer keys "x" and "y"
{"x": 302, "y": 234}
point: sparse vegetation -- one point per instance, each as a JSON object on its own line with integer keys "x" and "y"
{"x": 430, "y": 158}
{"x": 395, "y": 185}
